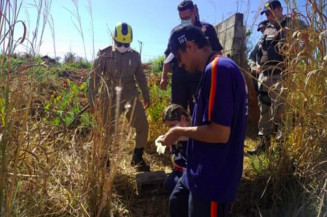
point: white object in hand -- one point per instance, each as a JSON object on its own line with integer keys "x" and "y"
{"x": 160, "y": 148}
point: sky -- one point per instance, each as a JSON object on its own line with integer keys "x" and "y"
{"x": 151, "y": 21}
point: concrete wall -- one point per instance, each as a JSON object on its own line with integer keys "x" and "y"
{"x": 231, "y": 34}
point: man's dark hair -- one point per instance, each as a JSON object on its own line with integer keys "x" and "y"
{"x": 185, "y": 5}
{"x": 174, "y": 112}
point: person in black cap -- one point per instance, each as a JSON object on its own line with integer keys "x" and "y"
{"x": 272, "y": 64}
{"x": 184, "y": 84}
{"x": 253, "y": 61}
{"x": 209, "y": 185}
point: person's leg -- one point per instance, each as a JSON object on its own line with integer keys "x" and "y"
{"x": 265, "y": 124}
{"x": 136, "y": 117}
{"x": 205, "y": 208}
{"x": 178, "y": 200}
{"x": 179, "y": 90}
{"x": 171, "y": 180}
{"x": 255, "y": 82}
{"x": 278, "y": 105}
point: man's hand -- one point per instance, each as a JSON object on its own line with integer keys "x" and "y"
{"x": 171, "y": 136}
{"x": 146, "y": 103}
{"x": 163, "y": 83}
{"x": 256, "y": 69}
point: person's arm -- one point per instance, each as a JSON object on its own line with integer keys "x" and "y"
{"x": 211, "y": 133}
{"x": 253, "y": 62}
{"x": 253, "y": 57}
{"x": 164, "y": 77}
{"x": 166, "y": 67}
{"x": 142, "y": 82}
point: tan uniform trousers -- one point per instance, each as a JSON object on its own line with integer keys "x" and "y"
{"x": 136, "y": 117}
{"x": 270, "y": 115}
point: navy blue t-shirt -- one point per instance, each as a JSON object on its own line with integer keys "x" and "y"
{"x": 214, "y": 170}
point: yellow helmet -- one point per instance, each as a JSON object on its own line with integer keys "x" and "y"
{"x": 123, "y": 33}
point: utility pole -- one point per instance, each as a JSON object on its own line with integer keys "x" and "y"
{"x": 141, "y": 46}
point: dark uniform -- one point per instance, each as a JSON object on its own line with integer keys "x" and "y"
{"x": 272, "y": 65}
{"x": 184, "y": 84}
{"x": 253, "y": 58}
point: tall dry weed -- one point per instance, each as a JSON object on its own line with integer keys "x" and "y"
{"x": 44, "y": 168}
{"x": 12, "y": 111}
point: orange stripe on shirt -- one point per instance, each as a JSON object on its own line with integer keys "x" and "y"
{"x": 213, "y": 209}
{"x": 213, "y": 86}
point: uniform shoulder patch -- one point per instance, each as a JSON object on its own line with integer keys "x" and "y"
{"x": 133, "y": 51}
{"x": 106, "y": 52}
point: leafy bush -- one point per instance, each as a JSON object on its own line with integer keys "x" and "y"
{"x": 157, "y": 65}
{"x": 67, "y": 105}
{"x": 159, "y": 100}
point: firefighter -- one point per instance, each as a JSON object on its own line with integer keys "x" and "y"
{"x": 117, "y": 72}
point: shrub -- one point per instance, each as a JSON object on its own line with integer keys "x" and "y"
{"x": 157, "y": 65}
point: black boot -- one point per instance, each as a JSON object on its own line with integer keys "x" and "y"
{"x": 263, "y": 145}
{"x": 138, "y": 162}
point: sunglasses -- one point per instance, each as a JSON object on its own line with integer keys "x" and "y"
{"x": 122, "y": 44}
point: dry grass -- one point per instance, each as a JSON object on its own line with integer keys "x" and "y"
{"x": 51, "y": 170}
{"x": 290, "y": 179}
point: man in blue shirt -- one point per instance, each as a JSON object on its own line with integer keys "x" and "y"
{"x": 215, "y": 148}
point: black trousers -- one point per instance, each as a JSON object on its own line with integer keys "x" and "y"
{"x": 183, "y": 203}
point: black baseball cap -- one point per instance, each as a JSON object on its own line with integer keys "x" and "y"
{"x": 179, "y": 36}
{"x": 184, "y": 5}
{"x": 271, "y": 5}
{"x": 262, "y": 24}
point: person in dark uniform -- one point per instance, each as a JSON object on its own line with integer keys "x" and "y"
{"x": 183, "y": 83}
{"x": 253, "y": 61}
{"x": 272, "y": 64}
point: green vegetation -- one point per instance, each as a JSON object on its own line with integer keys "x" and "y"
{"x": 156, "y": 65}
{"x": 53, "y": 149}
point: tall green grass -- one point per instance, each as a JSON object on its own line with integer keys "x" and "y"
{"x": 51, "y": 169}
